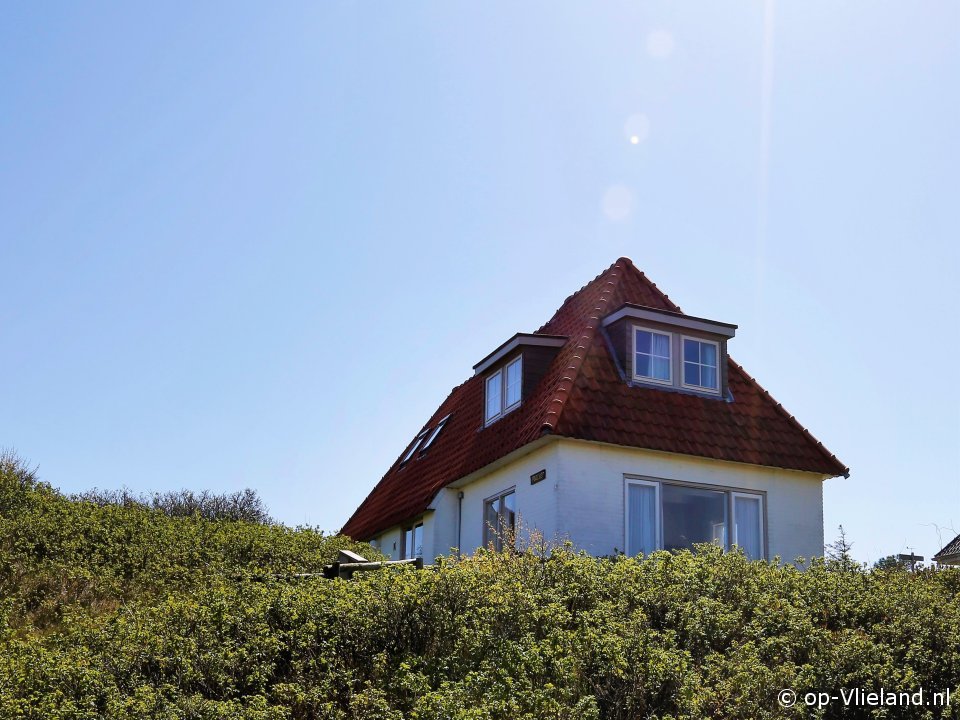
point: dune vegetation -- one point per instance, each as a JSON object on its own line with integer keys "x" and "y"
{"x": 194, "y": 606}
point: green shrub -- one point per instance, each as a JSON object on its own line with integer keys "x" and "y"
{"x": 112, "y": 611}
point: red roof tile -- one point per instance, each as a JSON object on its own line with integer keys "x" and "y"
{"x": 583, "y": 396}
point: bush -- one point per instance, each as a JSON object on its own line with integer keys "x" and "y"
{"x": 212, "y": 626}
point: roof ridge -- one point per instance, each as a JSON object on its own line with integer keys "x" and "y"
{"x": 557, "y": 403}
{"x": 790, "y": 418}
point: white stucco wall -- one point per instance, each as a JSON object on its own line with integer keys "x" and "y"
{"x": 536, "y": 504}
{"x": 591, "y": 495}
{"x": 582, "y": 499}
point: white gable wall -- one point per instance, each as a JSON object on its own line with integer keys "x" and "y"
{"x": 592, "y": 497}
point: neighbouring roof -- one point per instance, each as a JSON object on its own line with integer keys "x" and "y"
{"x": 952, "y": 548}
{"x": 582, "y": 395}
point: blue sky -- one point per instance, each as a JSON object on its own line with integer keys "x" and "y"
{"x": 256, "y": 244}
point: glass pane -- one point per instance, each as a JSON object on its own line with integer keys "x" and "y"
{"x": 493, "y": 395}
{"x": 746, "y": 512}
{"x": 708, "y": 354}
{"x": 642, "y": 366}
{"x": 691, "y": 373}
{"x": 408, "y": 544}
{"x": 661, "y": 368}
{"x": 693, "y": 515}
{"x": 508, "y": 517}
{"x": 691, "y": 350}
{"x": 661, "y": 345}
{"x": 513, "y": 383}
{"x": 490, "y": 523}
{"x": 418, "y": 541}
{"x": 708, "y": 377}
{"x": 643, "y": 341}
{"x": 641, "y": 519}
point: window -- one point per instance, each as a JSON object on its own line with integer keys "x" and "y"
{"x": 651, "y": 355}
{"x": 499, "y": 520}
{"x": 700, "y": 364}
{"x": 412, "y": 542}
{"x": 673, "y": 516}
{"x": 503, "y": 390}
{"x": 416, "y": 444}
{"x": 433, "y": 435}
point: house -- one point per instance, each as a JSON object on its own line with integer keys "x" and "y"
{"x": 621, "y": 425}
{"x": 950, "y": 554}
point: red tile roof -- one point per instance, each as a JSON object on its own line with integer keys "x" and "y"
{"x": 583, "y": 396}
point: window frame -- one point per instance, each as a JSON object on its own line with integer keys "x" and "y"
{"x": 414, "y": 446}
{"x": 488, "y": 533}
{"x": 633, "y": 357}
{"x": 411, "y": 528}
{"x": 504, "y": 408}
{"x": 730, "y": 492}
{"x": 658, "y": 514}
{"x": 433, "y": 435}
{"x": 734, "y": 494}
{"x": 683, "y": 359}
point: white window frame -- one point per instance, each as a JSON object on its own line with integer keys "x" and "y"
{"x": 734, "y": 494}
{"x": 413, "y": 448}
{"x": 633, "y": 356}
{"x": 433, "y": 435}
{"x": 404, "y": 550}
{"x": 491, "y": 534}
{"x": 730, "y": 492}
{"x": 658, "y": 514}
{"x": 504, "y": 408}
{"x": 683, "y": 360}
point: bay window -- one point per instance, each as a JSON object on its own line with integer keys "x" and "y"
{"x": 675, "y": 516}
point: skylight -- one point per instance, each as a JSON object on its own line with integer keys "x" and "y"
{"x": 433, "y": 435}
{"x": 416, "y": 444}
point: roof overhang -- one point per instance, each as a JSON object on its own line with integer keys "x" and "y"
{"x": 641, "y": 312}
{"x": 518, "y": 340}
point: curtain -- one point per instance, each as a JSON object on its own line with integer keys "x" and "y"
{"x": 660, "y": 350}
{"x": 747, "y": 518}
{"x": 642, "y": 519}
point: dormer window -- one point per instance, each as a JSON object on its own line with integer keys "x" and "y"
{"x": 700, "y": 367}
{"x": 670, "y": 350}
{"x": 503, "y": 390}
{"x": 651, "y": 351}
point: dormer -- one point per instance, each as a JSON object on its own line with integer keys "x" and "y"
{"x": 512, "y": 371}
{"x": 670, "y": 350}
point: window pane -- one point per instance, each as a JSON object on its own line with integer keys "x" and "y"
{"x": 418, "y": 541}
{"x": 661, "y": 345}
{"x": 641, "y": 519}
{"x": 661, "y": 368}
{"x": 513, "y": 383}
{"x": 708, "y": 377}
{"x": 691, "y": 350}
{"x": 693, "y": 515}
{"x": 691, "y": 373}
{"x": 490, "y": 523}
{"x": 408, "y": 544}
{"x": 642, "y": 366}
{"x": 708, "y": 354}
{"x": 746, "y": 512}
{"x": 643, "y": 341}
{"x": 508, "y": 517}
{"x": 493, "y": 395}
